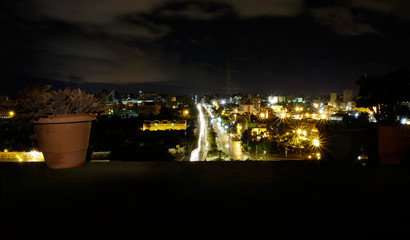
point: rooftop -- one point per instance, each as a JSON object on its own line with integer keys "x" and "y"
{"x": 206, "y": 199}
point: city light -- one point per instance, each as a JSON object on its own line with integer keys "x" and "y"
{"x": 405, "y": 121}
{"x": 316, "y": 142}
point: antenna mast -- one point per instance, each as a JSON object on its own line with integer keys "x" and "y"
{"x": 228, "y": 80}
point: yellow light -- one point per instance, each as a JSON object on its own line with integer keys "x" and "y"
{"x": 5, "y": 150}
{"x": 309, "y": 156}
{"x": 262, "y": 115}
{"x": 11, "y": 113}
{"x": 283, "y": 115}
{"x": 299, "y": 131}
{"x": 297, "y": 109}
{"x": 323, "y": 116}
{"x": 304, "y": 132}
{"x": 316, "y": 142}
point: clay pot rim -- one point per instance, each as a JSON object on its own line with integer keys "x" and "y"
{"x": 66, "y": 118}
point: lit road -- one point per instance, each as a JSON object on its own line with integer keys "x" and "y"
{"x": 231, "y": 148}
{"x": 200, "y": 152}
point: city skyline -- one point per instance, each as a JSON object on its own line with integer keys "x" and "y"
{"x": 182, "y": 47}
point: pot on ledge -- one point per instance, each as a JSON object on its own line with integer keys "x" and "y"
{"x": 64, "y": 139}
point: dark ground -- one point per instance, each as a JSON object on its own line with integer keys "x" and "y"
{"x": 207, "y": 200}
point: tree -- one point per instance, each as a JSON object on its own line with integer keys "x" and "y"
{"x": 384, "y": 95}
{"x": 246, "y": 136}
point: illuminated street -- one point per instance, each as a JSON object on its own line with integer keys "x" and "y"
{"x": 230, "y": 147}
{"x": 200, "y": 152}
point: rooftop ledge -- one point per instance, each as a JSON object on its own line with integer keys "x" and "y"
{"x": 232, "y": 198}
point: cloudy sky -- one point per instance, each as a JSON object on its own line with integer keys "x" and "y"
{"x": 182, "y": 47}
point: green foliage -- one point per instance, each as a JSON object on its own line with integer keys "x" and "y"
{"x": 41, "y": 101}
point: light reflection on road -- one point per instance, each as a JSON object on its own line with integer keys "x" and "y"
{"x": 197, "y": 154}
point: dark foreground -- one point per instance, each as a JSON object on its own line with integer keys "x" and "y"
{"x": 207, "y": 199}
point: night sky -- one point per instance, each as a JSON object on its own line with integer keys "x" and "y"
{"x": 281, "y": 47}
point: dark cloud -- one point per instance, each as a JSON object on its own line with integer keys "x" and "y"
{"x": 257, "y": 8}
{"x": 184, "y": 45}
{"x": 195, "y": 10}
{"x": 343, "y": 21}
{"x": 352, "y": 17}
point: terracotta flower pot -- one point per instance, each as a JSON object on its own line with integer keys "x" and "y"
{"x": 393, "y": 144}
{"x": 63, "y": 139}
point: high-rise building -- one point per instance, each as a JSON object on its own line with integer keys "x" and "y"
{"x": 333, "y": 97}
{"x": 347, "y": 95}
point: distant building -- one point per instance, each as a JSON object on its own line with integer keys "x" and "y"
{"x": 148, "y": 109}
{"x": 333, "y": 97}
{"x": 297, "y": 100}
{"x": 258, "y": 129}
{"x": 348, "y": 103}
{"x": 164, "y": 125}
{"x": 125, "y": 113}
{"x": 347, "y": 95}
{"x": 336, "y": 117}
{"x": 276, "y": 99}
{"x": 248, "y": 108}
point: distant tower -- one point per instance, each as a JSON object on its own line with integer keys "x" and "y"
{"x": 228, "y": 80}
{"x": 347, "y": 95}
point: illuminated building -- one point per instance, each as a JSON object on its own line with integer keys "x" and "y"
{"x": 276, "y": 99}
{"x": 164, "y": 125}
{"x": 32, "y": 156}
{"x": 258, "y": 129}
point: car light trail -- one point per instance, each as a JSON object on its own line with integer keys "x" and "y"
{"x": 195, "y": 152}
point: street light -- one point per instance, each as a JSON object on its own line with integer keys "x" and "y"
{"x": 316, "y": 142}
